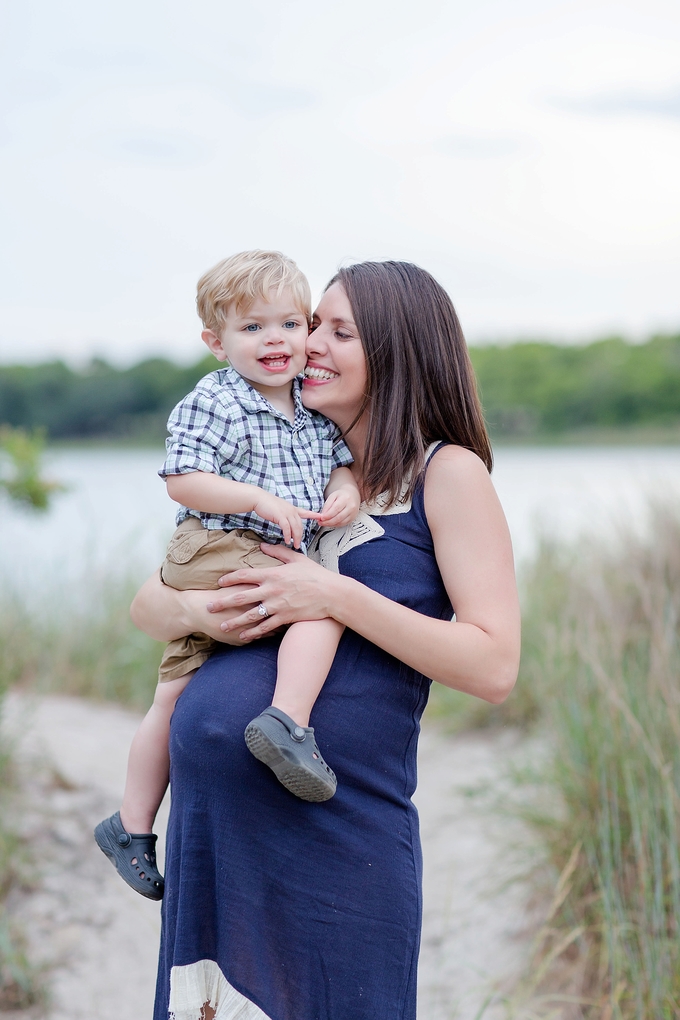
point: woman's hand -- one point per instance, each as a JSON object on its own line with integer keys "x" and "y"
{"x": 299, "y": 590}
{"x": 166, "y": 614}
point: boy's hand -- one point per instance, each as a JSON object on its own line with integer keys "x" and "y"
{"x": 287, "y": 516}
{"x": 340, "y": 508}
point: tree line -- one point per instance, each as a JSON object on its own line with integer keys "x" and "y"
{"x": 527, "y": 389}
{"x": 546, "y": 389}
{"x": 97, "y": 400}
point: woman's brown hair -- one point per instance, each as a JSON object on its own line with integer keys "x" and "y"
{"x": 421, "y": 385}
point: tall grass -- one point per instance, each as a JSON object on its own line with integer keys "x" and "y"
{"x": 21, "y": 480}
{"x": 84, "y": 646}
{"x": 20, "y": 984}
{"x": 602, "y": 664}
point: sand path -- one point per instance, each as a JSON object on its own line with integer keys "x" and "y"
{"x": 100, "y": 939}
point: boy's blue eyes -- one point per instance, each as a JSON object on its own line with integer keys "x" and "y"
{"x": 252, "y": 327}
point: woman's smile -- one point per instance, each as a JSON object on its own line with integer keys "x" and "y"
{"x": 317, "y": 375}
{"x": 335, "y": 376}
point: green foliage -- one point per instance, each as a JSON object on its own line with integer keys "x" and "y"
{"x": 528, "y": 390}
{"x": 602, "y": 660}
{"x": 99, "y": 400}
{"x": 544, "y": 389}
{"x": 20, "y": 465}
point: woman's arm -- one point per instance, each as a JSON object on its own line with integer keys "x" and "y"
{"x": 478, "y": 652}
{"x": 166, "y": 614}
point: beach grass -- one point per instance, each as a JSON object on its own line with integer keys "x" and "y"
{"x": 600, "y": 685}
{"x": 87, "y": 647}
{"x": 601, "y": 659}
{"x": 21, "y": 984}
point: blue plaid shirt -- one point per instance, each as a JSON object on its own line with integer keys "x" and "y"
{"x": 225, "y": 427}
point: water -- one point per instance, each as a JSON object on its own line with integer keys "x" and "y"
{"x": 116, "y": 518}
{"x": 568, "y": 491}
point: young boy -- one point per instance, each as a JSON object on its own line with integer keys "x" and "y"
{"x": 248, "y": 463}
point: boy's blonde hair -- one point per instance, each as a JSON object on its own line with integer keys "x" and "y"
{"x": 241, "y": 279}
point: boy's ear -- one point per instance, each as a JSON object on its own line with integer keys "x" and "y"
{"x": 214, "y": 344}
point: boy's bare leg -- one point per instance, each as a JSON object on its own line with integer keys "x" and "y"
{"x": 149, "y": 759}
{"x": 305, "y": 657}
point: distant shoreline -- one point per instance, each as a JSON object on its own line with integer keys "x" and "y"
{"x": 638, "y": 435}
{"x": 652, "y": 435}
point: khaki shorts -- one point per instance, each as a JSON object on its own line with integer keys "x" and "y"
{"x": 196, "y": 558}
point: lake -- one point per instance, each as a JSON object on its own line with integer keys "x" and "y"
{"x": 115, "y": 517}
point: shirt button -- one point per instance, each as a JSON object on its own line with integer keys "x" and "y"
{"x": 310, "y": 480}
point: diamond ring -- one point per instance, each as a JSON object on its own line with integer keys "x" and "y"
{"x": 262, "y": 610}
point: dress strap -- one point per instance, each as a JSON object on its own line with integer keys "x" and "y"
{"x": 432, "y": 449}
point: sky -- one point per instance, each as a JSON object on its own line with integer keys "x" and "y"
{"x": 527, "y": 153}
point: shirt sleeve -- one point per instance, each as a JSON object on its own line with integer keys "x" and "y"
{"x": 340, "y": 456}
{"x": 202, "y": 436}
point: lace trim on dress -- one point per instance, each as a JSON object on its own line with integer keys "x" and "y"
{"x": 200, "y": 991}
{"x": 330, "y": 544}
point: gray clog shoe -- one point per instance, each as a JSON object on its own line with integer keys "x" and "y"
{"x": 291, "y": 752}
{"x": 133, "y": 855}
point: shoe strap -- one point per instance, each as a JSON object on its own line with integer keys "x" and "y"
{"x": 289, "y": 723}
{"x": 151, "y": 836}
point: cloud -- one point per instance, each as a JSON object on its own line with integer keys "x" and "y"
{"x": 261, "y": 100}
{"x": 665, "y": 104}
{"x": 154, "y": 149}
{"x": 479, "y": 147}
{"x": 100, "y": 60}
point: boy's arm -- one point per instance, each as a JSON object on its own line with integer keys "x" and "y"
{"x": 342, "y": 499}
{"x": 213, "y": 494}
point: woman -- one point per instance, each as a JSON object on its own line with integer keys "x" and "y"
{"x": 276, "y": 909}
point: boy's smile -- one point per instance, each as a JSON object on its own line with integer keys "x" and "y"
{"x": 264, "y": 343}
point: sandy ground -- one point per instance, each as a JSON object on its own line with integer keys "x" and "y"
{"x": 99, "y": 939}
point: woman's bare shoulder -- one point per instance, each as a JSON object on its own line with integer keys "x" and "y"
{"x": 455, "y": 463}
{"x": 457, "y": 478}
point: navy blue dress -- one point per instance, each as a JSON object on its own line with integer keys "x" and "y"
{"x": 302, "y": 911}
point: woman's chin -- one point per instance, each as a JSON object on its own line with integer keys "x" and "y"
{"x": 313, "y": 396}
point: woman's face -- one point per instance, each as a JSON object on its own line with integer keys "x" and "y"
{"x": 335, "y": 376}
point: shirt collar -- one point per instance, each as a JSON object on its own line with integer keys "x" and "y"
{"x": 302, "y": 415}
{"x": 252, "y": 401}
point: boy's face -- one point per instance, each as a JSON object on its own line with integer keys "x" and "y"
{"x": 264, "y": 343}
